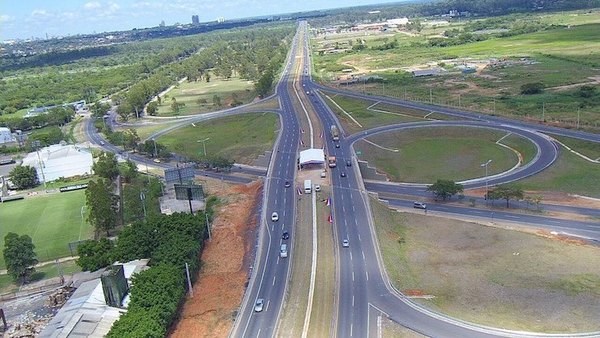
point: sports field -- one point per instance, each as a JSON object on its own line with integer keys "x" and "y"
{"x": 52, "y": 221}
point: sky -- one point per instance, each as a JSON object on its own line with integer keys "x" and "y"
{"x": 24, "y": 19}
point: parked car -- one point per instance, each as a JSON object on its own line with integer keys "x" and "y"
{"x": 260, "y": 303}
{"x": 317, "y": 187}
{"x": 419, "y": 205}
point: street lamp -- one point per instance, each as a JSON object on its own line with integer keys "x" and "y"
{"x": 486, "y": 164}
{"x": 204, "y": 144}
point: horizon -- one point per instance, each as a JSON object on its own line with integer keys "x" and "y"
{"x": 38, "y": 19}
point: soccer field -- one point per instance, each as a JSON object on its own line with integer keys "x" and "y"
{"x": 52, "y": 221}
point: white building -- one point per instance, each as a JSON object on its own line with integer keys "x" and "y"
{"x": 6, "y": 136}
{"x": 57, "y": 161}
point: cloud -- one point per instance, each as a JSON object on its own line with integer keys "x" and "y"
{"x": 5, "y": 18}
{"x": 92, "y": 5}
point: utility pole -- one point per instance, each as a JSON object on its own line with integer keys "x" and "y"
{"x": 578, "y": 118}
{"x": 430, "y": 95}
{"x": 486, "y": 164}
{"x": 207, "y": 224}
{"x": 187, "y": 272}
{"x": 458, "y": 100}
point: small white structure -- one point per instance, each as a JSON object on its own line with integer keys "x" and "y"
{"x": 6, "y": 136}
{"x": 56, "y": 161}
{"x": 312, "y": 157}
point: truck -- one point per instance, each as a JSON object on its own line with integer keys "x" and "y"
{"x": 307, "y": 186}
{"x": 335, "y": 133}
{"x": 331, "y": 162}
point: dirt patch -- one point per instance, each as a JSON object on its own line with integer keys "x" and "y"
{"x": 226, "y": 259}
{"x": 594, "y": 80}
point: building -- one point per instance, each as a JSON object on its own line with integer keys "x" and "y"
{"x": 86, "y": 313}
{"x": 56, "y": 161}
{"x": 312, "y": 158}
{"x": 427, "y": 72}
{"x": 195, "y": 20}
{"x": 6, "y": 136}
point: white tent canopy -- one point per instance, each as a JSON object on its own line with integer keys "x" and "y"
{"x": 312, "y": 156}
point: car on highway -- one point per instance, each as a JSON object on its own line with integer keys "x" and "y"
{"x": 101, "y": 143}
{"x": 343, "y": 174}
{"x": 337, "y": 145}
{"x": 283, "y": 252}
{"x": 287, "y": 184}
{"x": 274, "y": 217}
{"x": 156, "y": 160}
{"x": 317, "y": 187}
{"x": 259, "y": 305}
{"x": 348, "y": 163}
{"x": 345, "y": 243}
{"x": 419, "y": 205}
{"x": 286, "y": 235}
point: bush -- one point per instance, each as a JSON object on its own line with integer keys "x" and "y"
{"x": 532, "y": 88}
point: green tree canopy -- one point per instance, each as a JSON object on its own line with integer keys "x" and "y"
{"x": 24, "y": 176}
{"x": 94, "y": 255}
{"x": 106, "y": 166}
{"x": 445, "y": 189}
{"x": 506, "y": 192}
{"x": 19, "y": 256}
{"x": 102, "y": 206}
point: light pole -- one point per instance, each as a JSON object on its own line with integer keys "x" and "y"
{"x": 204, "y": 144}
{"x": 486, "y": 164}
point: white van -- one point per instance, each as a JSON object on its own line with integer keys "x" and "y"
{"x": 307, "y": 186}
{"x": 283, "y": 251}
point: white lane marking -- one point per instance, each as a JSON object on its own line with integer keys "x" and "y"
{"x": 359, "y": 238}
{"x": 367, "y": 272}
{"x": 350, "y": 255}
{"x": 277, "y": 260}
{"x": 274, "y": 279}
{"x": 352, "y": 300}
{"x": 353, "y": 276}
{"x": 351, "y": 329}
{"x": 258, "y": 333}
{"x": 343, "y": 208}
{"x": 363, "y": 254}
{"x": 512, "y": 216}
{"x": 353, "y": 209}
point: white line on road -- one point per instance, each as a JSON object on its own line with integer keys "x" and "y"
{"x": 352, "y": 300}
{"x": 363, "y": 254}
{"x": 274, "y": 279}
{"x": 359, "y": 238}
{"x": 353, "y": 276}
{"x": 350, "y": 255}
{"x": 313, "y": 271}
{"x": 367, "y": 272}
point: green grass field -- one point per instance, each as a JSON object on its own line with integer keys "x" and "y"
{"x": 51, "y": 221}
{"x": 241, "y": 138}
{"x": 45, "y": 272}
{"x": 425, "y": 155}
{"x": 556, "y": 57}
{"x": 569, "y": 174}
{"x": 198, "y": 96}
{"x": 489, "y": 275}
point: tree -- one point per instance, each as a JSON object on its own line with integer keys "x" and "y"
{"x": 152, "y": 108}
{"x": 445, "y": 189}
{"x": 217, "y": 100}
{"x": 19, "y": 256}
{"x": 102, "y": 206}
{"x": 506, "y": 192}
{"x": 129, "y": 171}
{"x": 94, "y": 255}
{"x": 532, "y": 88}
{"x": 106, "y": 166}
{"x": 130, "y": 139}
{"x": 24, "y": 176}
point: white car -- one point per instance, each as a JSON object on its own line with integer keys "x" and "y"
{"x": 345, "y": 243}
{"x": 274, "y": 217}
{"x": 260, "y": 303}
{"x": 317, "y": 187}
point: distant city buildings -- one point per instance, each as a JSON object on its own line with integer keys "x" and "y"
{"x": 220, "y": 19}
{"x": 162, "y": 23}
{"x": 195, "y": 20}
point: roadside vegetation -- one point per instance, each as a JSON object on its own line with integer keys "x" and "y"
{"x": 424, "y": 155}
{"x": 241, "y": 138}
{"x": 527, "y": 282}
{"x": 506, "y": 55}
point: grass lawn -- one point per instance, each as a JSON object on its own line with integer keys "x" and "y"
{"x": 589, "y": 149}
{"x": 369, "y": 118}
{"x": 52, "y": 221}
{"x": 491, "y": 276}
{"x": 425, "y": 155}
{"x": 145, "y": 130}
{"x": 240, "y": 138}
{"x": 41, "y": 273}
{"x": 569, "y": 174}
{"x": 198, "y": 96}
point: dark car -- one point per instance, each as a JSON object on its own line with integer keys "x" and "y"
{"x": 286, "y": 235}
{"x": 337, "y": 145}
{"x": 343, "y": 174}
{"x": 288, "y": 184}
{"x": 348, "y": 163}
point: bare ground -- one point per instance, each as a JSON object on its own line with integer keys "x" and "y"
{"x": 220, "y": 286}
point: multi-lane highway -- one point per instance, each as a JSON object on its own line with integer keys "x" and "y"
{"x": 363, "y": 291}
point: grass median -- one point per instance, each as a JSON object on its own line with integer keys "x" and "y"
{"x": 489, "y": 275}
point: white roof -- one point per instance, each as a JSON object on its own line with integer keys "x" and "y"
{"x": 60, "y": 161}
{"x": 312, "y": 156}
